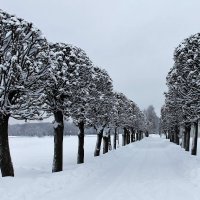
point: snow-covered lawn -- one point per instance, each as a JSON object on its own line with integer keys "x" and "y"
{"x": 152, "y": 169}
{"x": 33, "y": 155}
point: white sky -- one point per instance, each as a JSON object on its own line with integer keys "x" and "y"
{"x": 133, "y": 39}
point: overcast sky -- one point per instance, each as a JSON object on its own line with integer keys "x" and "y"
{"x": 133, "y": 40}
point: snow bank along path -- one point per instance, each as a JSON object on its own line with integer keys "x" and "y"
{"x": 152, "y": 169}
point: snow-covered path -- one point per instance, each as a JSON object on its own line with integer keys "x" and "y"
{"x": 152, "y": 169}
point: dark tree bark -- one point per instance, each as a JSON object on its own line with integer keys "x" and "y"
{"x": 80, "y": 157}
{"x": 137, "y": 136}
{"x": 171, "y": 135}
{"x": 128, "y": 137}
{"x": 195, "y": 138}
{"x": 118, "y": 139}
{"x": 105, "y": 144}
{"x": 166, "y": 135}
{"x": 176, "y": 135}
{"x": 5, "y": 158}
{"x": 115, "y": 139}
{"x": 141, "y": 135}
{"x": 132, "y": 135}
{"x": 124, "y": 137}
{"x": 184, "y": 138}
{"x": 58, "y": 142}
{"x": 182, "y": 133}
{"x": 132, "y": 140}
{"x": 187, "y": 137}
{"x": 147, "y": 134}
{"x": 98, "y": 143}
{"x": 109, "y": 143}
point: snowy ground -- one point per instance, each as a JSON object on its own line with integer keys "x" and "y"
{"x": 34, "y": 156}
{"x": 152, "y": 169}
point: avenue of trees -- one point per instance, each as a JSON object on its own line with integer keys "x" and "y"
{"x": 180, "y": 114}
{"x": 39, "y": 79}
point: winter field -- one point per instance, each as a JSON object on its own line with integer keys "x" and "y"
{"x": 151, "y": 169}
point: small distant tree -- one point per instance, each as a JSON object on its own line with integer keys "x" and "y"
{"x": 153, "y": 120}
{"x": 164, "y": 121}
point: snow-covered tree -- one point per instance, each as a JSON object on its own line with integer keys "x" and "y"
{"x": 23, "y": 65}
{"x": 64, "y": 89}
{"x": 140, "y": 124}
{"x": 122, "y": 111}
{"x": 100, "y": 109}
{"x": 183, "y": 83}
{"x": 153, "y": 120}
{"x": 164, "y": 121}
{"x": 187, "y": 64}
{"x": 83, "y": 94}
{"x": 128, "y": 117}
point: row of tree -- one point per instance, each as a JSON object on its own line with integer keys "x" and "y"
{"x": 180, "y": 114}
{"x": 44, "y": 129}
{"x": 39, "y": 79}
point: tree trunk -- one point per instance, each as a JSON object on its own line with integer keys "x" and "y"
{"x": 137, "y": 136}
{"x": 171, "y": 136}
{"x": 141, "y": 135}
{"x": 109, "y": 143}
{"x": 167, "y": 135}
{"x": 165, "y": 132}
{"x": 184, "y": 137}
{"x": 118, "y": 140}
{"x": 147, "y": 134}
{"x": 105, "y": 144}
{"x": 58, "y": 142}
{"x": 195, "y": 138}
{"x": 187, "y": 137}
{"x": 176, "y": 135}
{"x": 182, "y": 131}
{"x": 80, "y": 157}
{"x": 115, "y": 139}
{"x": 132, "y": 135}
{"x": 5, "y": 158}
{"x": 128, "y": 137}
{"x": 98, "y": 143}
{"x": 124, "y": 137}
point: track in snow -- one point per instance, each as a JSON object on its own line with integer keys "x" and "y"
{"x": 152, "y": 169}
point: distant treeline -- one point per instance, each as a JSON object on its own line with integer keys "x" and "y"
{"x": 43, "y": 129}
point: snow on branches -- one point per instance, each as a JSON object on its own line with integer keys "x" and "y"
{"x": 40, "y": 79}
{"x": 23, "y": 63}
{"x": 182, "y": 99}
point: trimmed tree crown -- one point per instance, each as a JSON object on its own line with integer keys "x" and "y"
{"x": 24, "y": 61}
